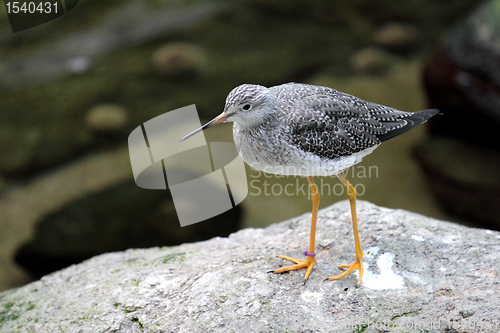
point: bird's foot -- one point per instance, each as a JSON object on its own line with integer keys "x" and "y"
{"x": 309, "y": 263}
{"x": 357, "y": 264}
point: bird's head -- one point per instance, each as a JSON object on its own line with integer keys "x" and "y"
{"x": 248, "y": 105}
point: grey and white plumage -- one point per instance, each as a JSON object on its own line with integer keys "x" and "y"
{"x": 301, "y": 129}
{"x": 307, "y": 130}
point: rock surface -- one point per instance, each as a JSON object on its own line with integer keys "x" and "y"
{"x": 180, "y": 59}
{"x": 470, "y": 189}
{"x": 106, "y": 118}
{"x": 22, "y": 207}
{"x": 462, "y": 79}
{"x": 118, "y": 218}
{"x": 421, "y": 275}
{"x": 396, "y": 36}
{"x": 371, "y": 60}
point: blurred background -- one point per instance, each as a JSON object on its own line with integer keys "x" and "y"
{"x": 72, "y": 90}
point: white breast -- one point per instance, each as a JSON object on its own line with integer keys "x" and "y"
{"x": 281, "y": 158}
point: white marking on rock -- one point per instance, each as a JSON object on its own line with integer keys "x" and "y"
{"x": 309, "y": 296}
{"x": 371, "y": 252}
{"x": 417, "y": 238}
{"x": 387, "y": 279}
{"x": 450, "y": 238}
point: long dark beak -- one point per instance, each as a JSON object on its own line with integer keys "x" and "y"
{"x": 217, "y": 120}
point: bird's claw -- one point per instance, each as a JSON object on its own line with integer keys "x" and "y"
{"x": 357, "y": 264}
{"x": 309, "y": 263}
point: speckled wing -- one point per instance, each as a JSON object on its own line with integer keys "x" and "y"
{"x": 332, "y": 124}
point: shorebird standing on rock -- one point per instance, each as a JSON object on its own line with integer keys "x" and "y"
{"x": 307, "y": 130}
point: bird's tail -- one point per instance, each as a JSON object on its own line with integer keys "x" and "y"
{"x": 413, "y": 120}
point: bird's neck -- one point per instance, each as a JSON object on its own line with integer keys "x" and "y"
{"x": 258, "y": 120}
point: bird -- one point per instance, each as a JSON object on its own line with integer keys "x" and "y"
{"x": 307, "y": 130}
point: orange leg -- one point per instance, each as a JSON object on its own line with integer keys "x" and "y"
{"x": 358, "y": 262}
{"x": 311, "y": 260}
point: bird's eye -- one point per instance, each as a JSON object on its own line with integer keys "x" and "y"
{"x": 246, "y": 107}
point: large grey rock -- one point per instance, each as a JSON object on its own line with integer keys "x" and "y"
{"x": 421, "y": 275}
{"x": 115, "y": 219}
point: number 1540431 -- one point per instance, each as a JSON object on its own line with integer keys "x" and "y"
{"x": 25, "y": 7}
